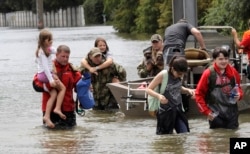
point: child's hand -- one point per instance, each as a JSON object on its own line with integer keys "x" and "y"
{"x": 191, "y": 92}
{"x": 55, "y": 77}
{"x": 163, "y": 99}
{"x": 93, "y": 70}
{"x": 237, "y": 97}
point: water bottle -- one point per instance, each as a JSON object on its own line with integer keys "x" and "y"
{"x": 215, "y": 114}
{"x": 234, "y": 92}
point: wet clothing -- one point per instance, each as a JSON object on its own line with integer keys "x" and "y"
{"x": 68, "y": 123}
{"x": 69, "y": 77}
{"x": 175, "y": 39}
{"x": 171, "y": 115}
{"x": 216, "y": 99}
{"x": 170, "y": 118}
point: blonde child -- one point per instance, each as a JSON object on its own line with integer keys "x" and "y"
{"x": 46, "y": 75}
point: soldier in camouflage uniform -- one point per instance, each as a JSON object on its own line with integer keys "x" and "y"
{"x": 115, "y": 72}
{"x": 149, "y": 66}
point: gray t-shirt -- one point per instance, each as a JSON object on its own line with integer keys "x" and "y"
{"x": 177, "y": 34}
{"x": 173, "y": 90}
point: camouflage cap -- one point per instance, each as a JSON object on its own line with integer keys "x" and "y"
{"x": 94, "y": 52}
{"x": 156, "y": 37}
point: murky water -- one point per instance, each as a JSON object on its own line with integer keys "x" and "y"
{"x": 21, "y": 128}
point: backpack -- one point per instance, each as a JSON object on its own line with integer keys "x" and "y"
{"x": 154, "y": 103}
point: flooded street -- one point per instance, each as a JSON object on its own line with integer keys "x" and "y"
{"x": 21, "y": 129}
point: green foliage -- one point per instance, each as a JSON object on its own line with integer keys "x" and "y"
{"x": 232, "y": 13}
{"x": 143, "y": 16}
{"x": 202, "y": 7}
{"x": 49, "y": 5}
{"x": 124, "y": 16}
{"x": 147, "y": 14}
{"x": 165, "y": 18}
{"x": 109, "y": 7}
{"x": 14, "y": 5}
{"x": 93, "y": 12}
{"x": 54, "y": 5}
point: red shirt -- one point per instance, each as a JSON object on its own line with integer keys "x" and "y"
{"x": 69, "y": 78}
{"x": 245, "y": 42}
{"x": 202, "y": 87}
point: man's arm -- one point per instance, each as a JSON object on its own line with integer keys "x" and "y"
{"x": 236, "y": 39}
{"x": 199, "y": 37}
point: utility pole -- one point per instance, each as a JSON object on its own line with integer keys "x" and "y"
{"x": 185, "y": 9}
{"x": 39, "y": 8}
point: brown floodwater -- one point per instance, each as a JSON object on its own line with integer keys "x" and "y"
{"x": 21, "y": 129}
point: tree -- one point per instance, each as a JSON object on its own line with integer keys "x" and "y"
{"x": 13, "y": 5}
{"x": 124, "y": 16}
{"x": 93, "y": 11}
{"x": 49, "y": 5}
{"x": 233, "y": 13}
{"x": 147, "y": 14}
{"x": 202, "y": 7}
{"x": 165, "y": 18}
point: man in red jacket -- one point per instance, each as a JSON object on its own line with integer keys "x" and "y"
{"x": 213, "y": 92}
{"x": 69, "y": 78}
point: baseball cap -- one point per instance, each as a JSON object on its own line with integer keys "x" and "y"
{"x": 94, "y": 52}
{"x": 156, "y": 37}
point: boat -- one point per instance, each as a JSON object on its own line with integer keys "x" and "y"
{"x": 131, "y": 95}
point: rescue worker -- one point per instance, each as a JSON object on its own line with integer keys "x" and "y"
{"x": 104, "y": 100}
{"x": 148, "y": 67}
{"x": 69, "y": 77}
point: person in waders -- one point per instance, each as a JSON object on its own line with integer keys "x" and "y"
{"x": 213, "y": 94}
{"x": 171, "y": 114}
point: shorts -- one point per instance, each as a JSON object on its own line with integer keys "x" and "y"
{"x": 42, "y": 77}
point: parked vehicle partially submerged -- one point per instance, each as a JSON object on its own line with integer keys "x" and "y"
{"x": 132, "y": 98}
